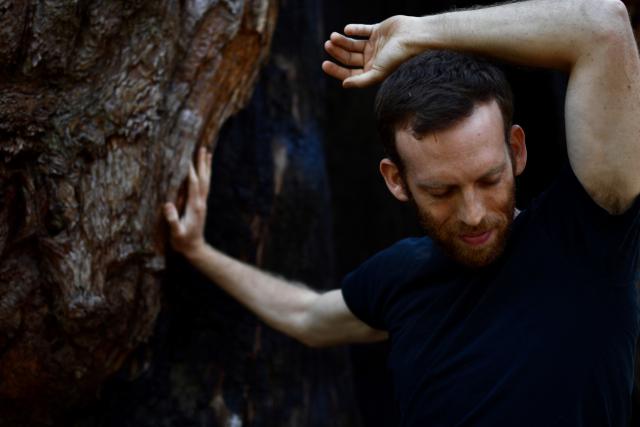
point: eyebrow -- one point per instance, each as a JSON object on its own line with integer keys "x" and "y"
{"x": 434, "y": 185}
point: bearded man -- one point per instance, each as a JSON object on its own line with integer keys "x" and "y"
{"x": 495, "y": 317}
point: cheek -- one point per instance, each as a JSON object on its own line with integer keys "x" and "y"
{"x": 440, "y": 213}
{"x": 500, "y": 199}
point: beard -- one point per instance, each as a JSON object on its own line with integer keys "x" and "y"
{"x": 447, "y": 235}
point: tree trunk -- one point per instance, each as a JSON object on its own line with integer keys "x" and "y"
{"x": 101, "y": 106}
{"x": 211, "y": 362}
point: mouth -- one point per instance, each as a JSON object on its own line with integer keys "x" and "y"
{"x": 477, "y": 239}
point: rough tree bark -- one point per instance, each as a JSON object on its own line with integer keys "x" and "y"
{"x": 101, "y": 105}
{"x": 211, "y": 362}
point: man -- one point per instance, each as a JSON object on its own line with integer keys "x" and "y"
{"x": 493, "y": 320}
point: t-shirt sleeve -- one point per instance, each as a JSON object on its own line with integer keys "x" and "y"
{"x": 370, "y": 289}
{"x": 608, "y": 244}
{"x": 363, "y": 293}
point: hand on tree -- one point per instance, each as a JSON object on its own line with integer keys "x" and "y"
{"x": 187, "y": 233}
{"x": 367, "y": 61}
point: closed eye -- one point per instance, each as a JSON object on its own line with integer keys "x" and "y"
{"x": 440, "y": 194}
{"x": 490, "y": 182}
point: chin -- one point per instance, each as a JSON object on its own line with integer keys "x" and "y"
{"x": 476, "y": 260}
{"x": 475, "y": 257}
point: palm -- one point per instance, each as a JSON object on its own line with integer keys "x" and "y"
{"x": 370, "y": 53}
{"x": 383, "y": 54}
{"x": 365, "y": 61}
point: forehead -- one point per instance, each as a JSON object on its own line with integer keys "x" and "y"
{"x": 464, "y": 151}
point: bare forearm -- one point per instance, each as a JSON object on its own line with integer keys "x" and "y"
{"x": 279, "y": 303}
{"x": 312, "y": 318}
{"x": 548, "y": 33}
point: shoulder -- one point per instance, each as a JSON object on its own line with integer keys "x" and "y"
{"x": 412, "y": 249}
{"x": 368, "y": 289}
{"x": 566, "y": 220}
{"x": 404, "y": 258}
{"x": 567, "y": 199}
{"x": 411, "y": 246}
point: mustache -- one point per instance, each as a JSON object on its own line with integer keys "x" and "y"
{"x": 485, "y": 225}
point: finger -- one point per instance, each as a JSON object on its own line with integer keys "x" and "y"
{"x": 337, "y": 71}
{"x": 171, "y": 215}
{"x": 197, "y": 201}
{"x": 208, "y": 168}
{"x": 204, "y": 184}
{"x": 358, "y": 30}
{"x": 348, "y": 43}
{"x": 202, "y": 171}
{"x": 194, "y": 187}
{"x": 343, "y": 55}
{"x": 202, "y": 152}
{"x": 360, "y": 79}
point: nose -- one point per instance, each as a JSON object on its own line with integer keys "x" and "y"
{"x": 471, "y": 210}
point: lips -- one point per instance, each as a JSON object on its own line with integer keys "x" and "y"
{"x": 477, "y": 239}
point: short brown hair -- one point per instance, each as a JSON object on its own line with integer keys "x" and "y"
{"x": 435, "y": 90}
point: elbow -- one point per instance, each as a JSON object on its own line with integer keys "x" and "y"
{"x": 618, "y": 23}
{"x": 609, "y": 21}
{"x": 310, "y": 338}
{"x": 306, "y": 338}
{"x": 309, "y": 334}
{"x": 302, "y": 330}
{"x": 616, "y": 11}
{"x": 604, "y": 31}
{"x": 313, "y": 342}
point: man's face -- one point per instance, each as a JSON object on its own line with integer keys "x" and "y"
{"x": 462, "y": 183}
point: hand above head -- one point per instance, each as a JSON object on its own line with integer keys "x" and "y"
{"x": 187, "y": 233}
{"x": 369, "y": 60}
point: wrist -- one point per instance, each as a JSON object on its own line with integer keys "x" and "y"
{"x": 423, "y": 33}
{"x": 194, "y": 250}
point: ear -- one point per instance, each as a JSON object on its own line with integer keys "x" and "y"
{"x": 393, "y": 179}
{"x": 518, "y": 148}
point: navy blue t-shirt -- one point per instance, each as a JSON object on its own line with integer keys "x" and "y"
{"x": 545, "y": 336}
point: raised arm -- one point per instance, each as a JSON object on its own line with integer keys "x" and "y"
{"x": 590, "y": 39}
{"x": 315, "y": 319}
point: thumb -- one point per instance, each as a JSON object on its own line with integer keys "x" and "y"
{"x": 171, "y": 215}
{"x": 365, "y": 79}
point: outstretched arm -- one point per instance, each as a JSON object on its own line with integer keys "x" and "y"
{"x": 590, "y": 39}
{"x": 313, "y": 318}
